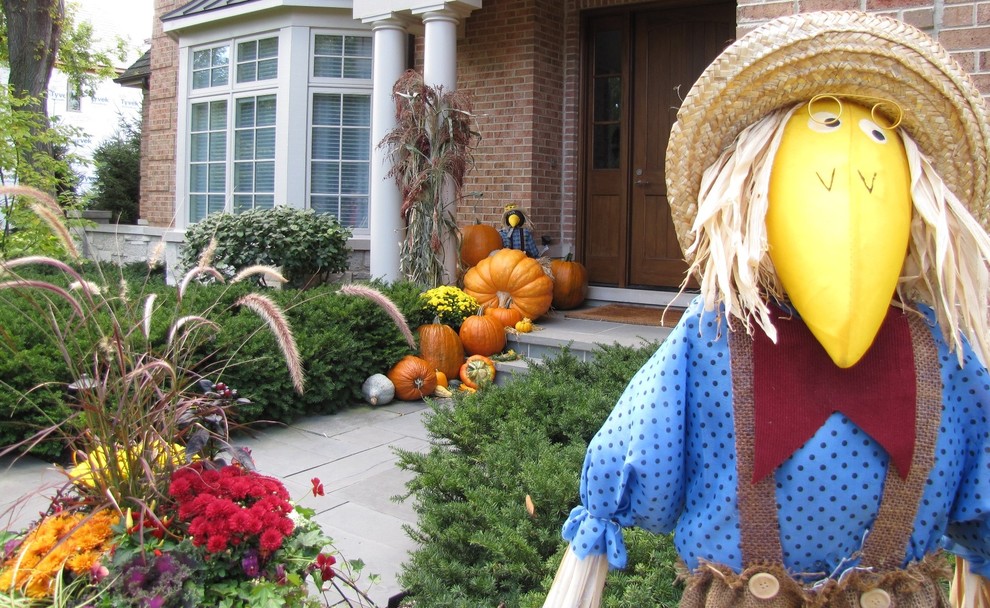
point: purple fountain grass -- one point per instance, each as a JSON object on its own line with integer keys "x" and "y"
{"x": 271, "y": 314}
{"x": 387, "y": 305}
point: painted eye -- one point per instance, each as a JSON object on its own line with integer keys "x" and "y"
{"x": 873, "y": 131}
{"x": 824, "y": 122}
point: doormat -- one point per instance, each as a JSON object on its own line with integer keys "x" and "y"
{"x": 633, "y": 315}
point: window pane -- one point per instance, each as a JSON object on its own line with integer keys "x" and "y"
{"x": 267, "y": 69}
{"x": 357, "y": 110}
{"x": 197, "y": 207}
{"x": 218, "y": 115}
{"x": 201, "y": 80}
{"x": 327, "y": 67}
{"x": 264, "y": 143}
{"x": 264, "y": 177}
{"x": 247, "y": 72}
{"x": 354, "y": 178}
{"x": 606, "y": 146}
{"x": 218, "y": 76}
{"x": 355, "y": 144}
{"x": 218, "y": 178}
{"x": 201, "y": 60}
{"x": 264, "y": 201}
{"x": 357, "y": 68}
{"x": 245, "y": 113}
{"x": 220, "y": 56}
{"x": 608, "y": 49}
{"x": 325, "y": 178}
{"x": 354, "y": 212}
{"x": 243, "y": 177}
{"x": 326, "y": 144}
{"x": 325, "y": 204}
{"x": 243, "y": 145}
{"x": 247, "y": 51}
{"x": 216, "y": 203}
{"x": 608, "y": 98}
{"x": 197, "y": 178}
{"x": 266, "y": 111}
{"x": 199, "y": 147}
{"x": 267, "y": 47}
{"x": 242, "y": 203}
{"x": 326, "y": 109}
{"x": 329, "y": 45}
{"x": 218, "y": 146}
{"x": 199, "y": 117}
{"x": 357, "y": 46}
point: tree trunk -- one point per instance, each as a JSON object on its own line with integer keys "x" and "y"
{"x": 34, "y": 28}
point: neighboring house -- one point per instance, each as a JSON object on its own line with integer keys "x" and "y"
{"x": 253, "y": 103}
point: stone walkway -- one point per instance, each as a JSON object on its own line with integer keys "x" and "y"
{"x": 351, "y": 452}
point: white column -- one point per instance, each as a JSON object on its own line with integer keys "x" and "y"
{"x": 385, "y": 198}
{"x": 440, "y": 70}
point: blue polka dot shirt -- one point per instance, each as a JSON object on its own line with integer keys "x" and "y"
{"x": 665, "y": 461}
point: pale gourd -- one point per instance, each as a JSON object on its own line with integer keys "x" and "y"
{"x": 378, "y": 389}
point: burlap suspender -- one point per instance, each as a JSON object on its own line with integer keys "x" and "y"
{"x": 886, "y": 544}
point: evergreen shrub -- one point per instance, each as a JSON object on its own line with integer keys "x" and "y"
{"x": 478, "y": 544}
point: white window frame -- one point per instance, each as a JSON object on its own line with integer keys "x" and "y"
{"x": 319, "y": 85}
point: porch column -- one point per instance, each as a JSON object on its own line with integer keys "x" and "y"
{"x": 385, "y": 199}
{"x": 440, "y": 70}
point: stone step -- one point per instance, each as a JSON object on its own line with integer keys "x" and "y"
{"x": 556, "y": 331}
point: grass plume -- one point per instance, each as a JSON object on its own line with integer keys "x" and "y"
{"x": 271, "y": 314}
{"x": 387, "y": 305}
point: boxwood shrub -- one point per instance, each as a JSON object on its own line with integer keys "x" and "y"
{"x": 478, "y": 544}
{"x": 342, "y": 339}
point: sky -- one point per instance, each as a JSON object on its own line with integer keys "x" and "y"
{"x": 129, "y": 19}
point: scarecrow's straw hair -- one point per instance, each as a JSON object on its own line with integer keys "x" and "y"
{"x": 946, "y": 265}
{"x": 271, "y": 314}
{"x": 386, "y": 304}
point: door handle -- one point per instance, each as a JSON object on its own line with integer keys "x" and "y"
{"x": 641, "y": 182}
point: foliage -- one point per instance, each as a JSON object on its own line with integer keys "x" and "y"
{"x": 300, "y": 242}
{"x": 430, "y": 147}
{"x": 492, "y": 449}
{"x": 449, "y": 304}
{"x": 117, "y": 187}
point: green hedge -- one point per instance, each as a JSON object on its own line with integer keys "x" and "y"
{"x": 342, "y": 339}
{"x": 478, "y": 544}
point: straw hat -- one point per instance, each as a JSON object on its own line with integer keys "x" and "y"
{"x": 791, "y": 59}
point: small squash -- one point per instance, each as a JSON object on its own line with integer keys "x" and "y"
{"x": 510, "y": 273}
{"x": 570, "y": 283}
{"x": 524, "y": 326}
{"x": 477, "y": 241}
{"x": 378, "y": 389}
{"x": 482, "y": 335}
{"x": 477, "y": 372}
{"x": 413, "y": 377}
{"x": 442, "y": 379}
{"x": 440, "y": 345}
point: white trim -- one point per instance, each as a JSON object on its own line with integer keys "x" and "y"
{"x": 177, "y": 24}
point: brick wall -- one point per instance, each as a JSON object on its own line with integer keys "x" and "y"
{"x": 510, "y": 60}
{"x": 158, "y": 145}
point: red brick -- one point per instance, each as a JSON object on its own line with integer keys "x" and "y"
{"x": 875, "y": 5}
{"x": 958, "y": 16}
{"x": 965, "y": 38}
{"x": 829, "y": 5}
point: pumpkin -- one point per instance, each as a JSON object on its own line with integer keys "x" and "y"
{"x": 413, "y": 377}
{"x": 570, "y": 283}
{"x": 378, "y": 389}
{"x": 482, "y": 335}
{"x": 524, "y": 326}
{"x": 478, "y": 371}
{"x": 511, "y": 279}
{"x": 477, "y": 241}
{"x": 508, "y": 317}
{"x": 441, "y": 347}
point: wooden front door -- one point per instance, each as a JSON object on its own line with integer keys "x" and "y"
{"x": 639, "y": 64}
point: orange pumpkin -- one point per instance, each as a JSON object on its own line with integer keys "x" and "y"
{"x": 477, "y": 241}
{"x": 570, "y": 283}
{"x": 508, "y": 317}
{"x": 413, "y": 377}
{"x": 440, "y": 345}
{"x": 482, "y": 335}
{"x": 512, "y": 278}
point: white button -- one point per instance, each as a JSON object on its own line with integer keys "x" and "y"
{"x": 763, "y": 585}
{"x": 875, "y": 598}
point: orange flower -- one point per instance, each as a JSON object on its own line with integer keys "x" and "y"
{"x": 73, "y": 541}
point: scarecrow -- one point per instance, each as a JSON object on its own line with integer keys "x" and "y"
{"x": 817, "y": 427}
{"x": 515, "y": 233}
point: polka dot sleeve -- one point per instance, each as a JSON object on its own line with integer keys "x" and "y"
{"x": 633, "y": 470}
{"x": 968, "y": 532}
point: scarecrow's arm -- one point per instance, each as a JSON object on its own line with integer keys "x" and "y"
{"x": 968, "y": 590}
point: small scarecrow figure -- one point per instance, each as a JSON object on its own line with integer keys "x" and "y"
{"x": 817, "y": 427}
{"x": 515, "y": 234}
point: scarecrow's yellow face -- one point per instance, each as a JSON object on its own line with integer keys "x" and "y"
{"x": 838, "y": 222}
